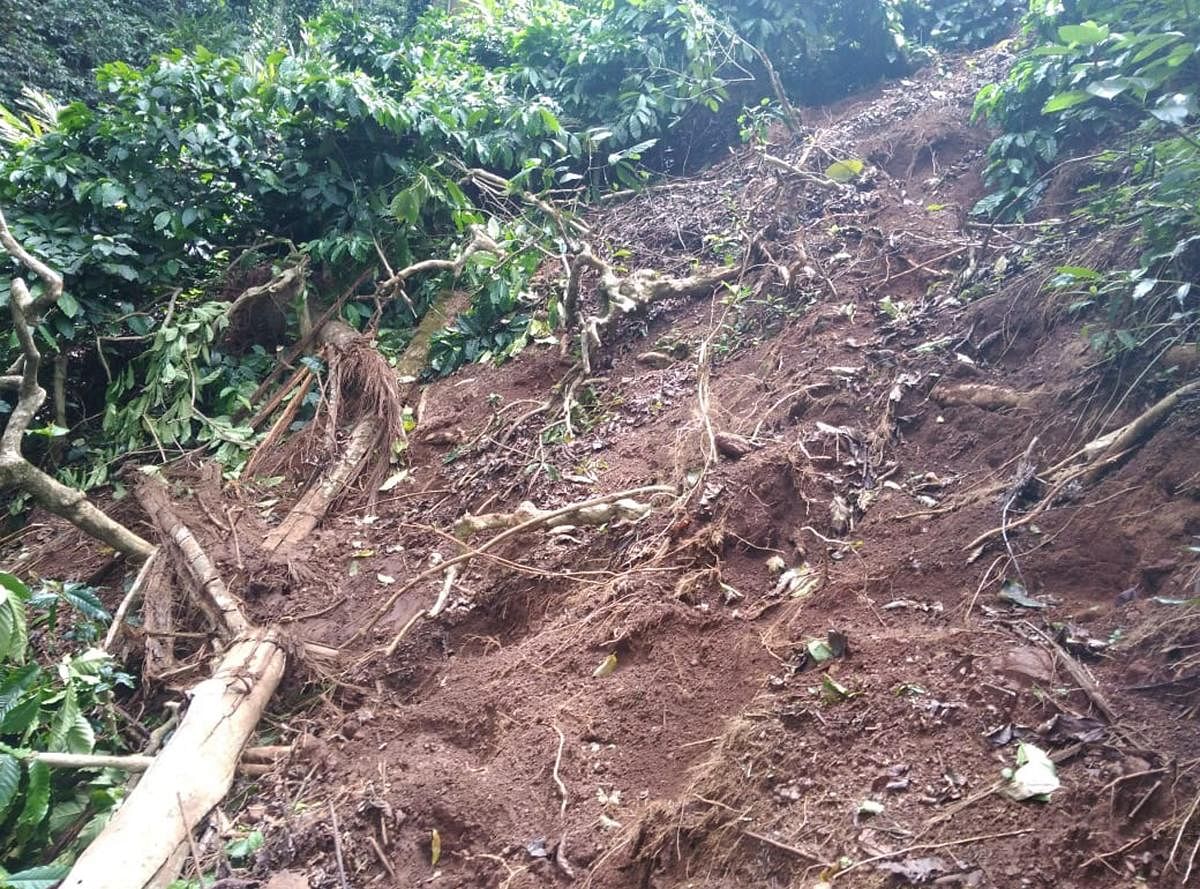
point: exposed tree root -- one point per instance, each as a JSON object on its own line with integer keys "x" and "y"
{"x": 316, "y": 501}
{"x": 22, "y": 377}
{"x": 623, "y": 296}
{"x": 542, "y": 519}
{"x": 626, "y": 508}
{"x": 364, "y": 394}
{"x": 211, "y": 594}
{"x": 1104, "y": 452}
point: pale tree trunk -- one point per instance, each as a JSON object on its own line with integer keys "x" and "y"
{"x": 15, "y": 470}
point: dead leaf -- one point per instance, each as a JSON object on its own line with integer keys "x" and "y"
{"x": 607, "y": 666}
{"x": 435, "y": 848}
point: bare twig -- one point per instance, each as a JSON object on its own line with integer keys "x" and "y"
{"x": 562, "y": 788}
{"x": 337, "y": 846}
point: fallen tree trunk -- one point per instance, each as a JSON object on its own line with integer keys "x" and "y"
{"x": 192, "y": 774}
{"x": 315, "y": 503}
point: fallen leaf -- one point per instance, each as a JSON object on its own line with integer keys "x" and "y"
{"x": 915, "y": 870}
{"x": 1015, "y": 593}
{"x": 607, "y": 666}
{"x": 435, "y": 848}
{"x": 394, "y": 479}
{"x": 1035, "y": 776}
{"x": 845, "y": 170}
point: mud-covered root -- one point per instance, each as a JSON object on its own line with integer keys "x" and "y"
{"x": 1102, "y": 453}
{"x": 712, "y": 817}
{"x": 357, "y": 423}
{"x": 626, "y": 509}
{"x": 626, "y": 295}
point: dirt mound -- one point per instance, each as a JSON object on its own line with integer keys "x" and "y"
{"x": 815, "y": 663}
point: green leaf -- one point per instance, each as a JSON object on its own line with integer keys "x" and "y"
{"x": 1079, "y": 272}
{"x": 1083, "y": 34}
{"x": 37, "y": 797}
{"x": 10, "y": 781}
{"x": 14, "y": 634}
{"x": 14, "y": 687}
{"x": 845, "y": 170}
{"x": 14, "y": 586}
{"x": 64, "y": 724}
{"x": 1110, "y": 87}
{"x": 1063, "y": 101}
{"x": 68, "y": 304}
{"x": 243, "y": 847}
{"x": 84, "y": 599}
{"x": 44, "y": 877}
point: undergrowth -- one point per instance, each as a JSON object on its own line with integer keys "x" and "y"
{"x": 1104, "y": 97}
{"x": 56, "y": 696}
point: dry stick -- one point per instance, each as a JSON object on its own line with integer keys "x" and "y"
{"x": 1079, "y": 673}
{"x": 929, "y": 847}
{"x": 1182, "y": 827}
{"x": 337, "y": 846}
{"x": 703, "y": 373}
{"x": 562, "y": 788}
{"x": 131, "y": 599}
{"x": 277, "y": 399}
{"x": 1037, "y": 510}
{"x": 280, "y": 426}
{"x": 784, "y": 847}
{"x": 197, "y": 864}
{"x": 383, "y": 859}
{"x": 780, "y": 164}
{"x": 494, "y": 542}
{"x": 140, "y": 762}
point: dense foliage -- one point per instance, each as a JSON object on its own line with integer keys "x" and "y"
{"x": 57, "y": 707}
{"x": 347, "y": 139}
{"x": 1110, "y": 88}
{"x": 55, "y": 45}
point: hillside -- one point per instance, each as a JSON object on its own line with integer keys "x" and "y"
{"x": 819, "y": 510}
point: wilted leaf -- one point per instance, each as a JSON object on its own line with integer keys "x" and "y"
{"x": 435, "y": 848}
{"x": 1175, "y": 109}
{"x": 607, "y": 666}
{"x": 394, "y": 479}
{"x": 1035, "y": 776}
{"x": 1013, "y": 592}
{"x": 833, "y": 691}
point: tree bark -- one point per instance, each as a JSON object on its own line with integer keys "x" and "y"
{"x": 191, "y": 775}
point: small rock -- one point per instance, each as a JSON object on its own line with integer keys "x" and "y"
{"x": 657, "y": 360}
{"x": 732, "y": 446}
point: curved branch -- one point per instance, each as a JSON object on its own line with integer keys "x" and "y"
{"x": 15, "y": 469}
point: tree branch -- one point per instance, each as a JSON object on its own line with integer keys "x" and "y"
{"x": 15, "y": 469}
